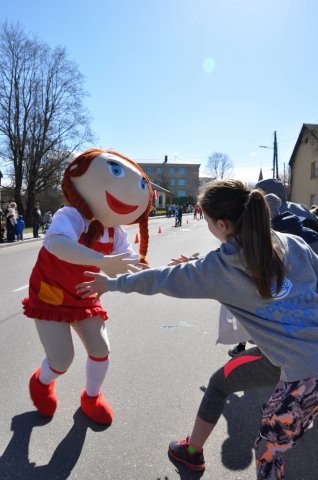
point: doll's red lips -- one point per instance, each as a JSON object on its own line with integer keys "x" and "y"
{"x": 118, "y": 206}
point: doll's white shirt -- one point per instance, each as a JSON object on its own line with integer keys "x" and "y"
{"x": 69, "y": 222}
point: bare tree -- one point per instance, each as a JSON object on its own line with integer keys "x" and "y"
{"x": 42, "y": 118}
{"x": 219, "y": 165}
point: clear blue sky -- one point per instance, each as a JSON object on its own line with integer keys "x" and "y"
{"x": 185, "y": 78}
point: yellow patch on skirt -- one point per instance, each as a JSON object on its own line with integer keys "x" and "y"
{"x": 50, "y": 294}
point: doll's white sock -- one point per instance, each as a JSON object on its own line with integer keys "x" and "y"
{"x": 95, "y": 373}
{"x": 47, "y": 375}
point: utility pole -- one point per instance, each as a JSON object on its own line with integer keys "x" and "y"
{"x": 275, "y": 158}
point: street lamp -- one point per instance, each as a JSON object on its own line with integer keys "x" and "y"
{"x": 275, "y": 156}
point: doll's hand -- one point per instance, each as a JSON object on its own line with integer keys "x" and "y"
{"x": 114, "y": 265}
{"x": 98, "y": 285}
{"x": 141, "y": 266}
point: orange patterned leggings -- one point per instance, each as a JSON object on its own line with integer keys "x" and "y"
{"x": 286, "y": 416}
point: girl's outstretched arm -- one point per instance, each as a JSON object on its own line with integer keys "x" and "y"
{"x": 99, "y": 282}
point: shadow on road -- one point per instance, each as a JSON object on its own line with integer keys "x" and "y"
{"x": 14, "y": 462}
{"x": 243, "y": 415}
{"x": 184, "y": 472}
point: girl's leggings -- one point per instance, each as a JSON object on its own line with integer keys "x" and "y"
{"x": 287, "y": 414}
{"x": 248, "y": 370}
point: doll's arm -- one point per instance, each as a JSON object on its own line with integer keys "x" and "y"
{"x": 68, "y": 250}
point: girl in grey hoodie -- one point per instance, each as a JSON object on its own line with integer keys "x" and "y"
{"x": 268, "y": 280}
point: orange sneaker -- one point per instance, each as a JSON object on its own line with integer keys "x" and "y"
{"x": 43, "y": 396}
{"x": 96, "y": 408}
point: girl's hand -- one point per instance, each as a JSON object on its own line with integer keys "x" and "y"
{"x": 176, "y": 261}
{"x": 183, "y": 259}
{"x": 98, "y": 285}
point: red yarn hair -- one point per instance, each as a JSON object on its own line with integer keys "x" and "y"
{"x": 77, "y": 168}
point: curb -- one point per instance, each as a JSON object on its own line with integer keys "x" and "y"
{"x": 20, "y": 242}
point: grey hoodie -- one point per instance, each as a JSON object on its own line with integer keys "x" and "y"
{"x": 284, "y": 327}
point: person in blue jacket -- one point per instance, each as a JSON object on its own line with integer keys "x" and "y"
{"x": 20, "y": 227}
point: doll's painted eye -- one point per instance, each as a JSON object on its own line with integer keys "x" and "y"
{"x": 116, "y": 169}
{"x": 142, "y": 183}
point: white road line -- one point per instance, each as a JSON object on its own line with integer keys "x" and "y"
{"x": 21, "y": 288}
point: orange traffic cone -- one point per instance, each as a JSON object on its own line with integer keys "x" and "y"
{"x": 159, "y": 230}
{"x": 136, "y": 239}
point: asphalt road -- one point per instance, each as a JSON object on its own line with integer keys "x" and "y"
{"x": 163, "y": 353}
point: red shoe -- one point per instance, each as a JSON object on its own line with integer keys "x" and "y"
{"x": 96, "y": 408}
{"x": 43, "y": 396}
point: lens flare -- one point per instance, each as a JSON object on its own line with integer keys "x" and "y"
{"x": 208, "y": 65}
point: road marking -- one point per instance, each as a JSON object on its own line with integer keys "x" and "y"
{"x": 21, "y": 288}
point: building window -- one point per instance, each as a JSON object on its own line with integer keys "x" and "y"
{"x": 172, "y": 181}
{"x": 181, "y": 193}
{"x": 314, "y": 170}
{"x": 148, "y": 170}
{"x": 182, "y": 171}
{"x": 182, "y": 181}
{"x": 159, "y": 170}
{"x": 172, "y": 170}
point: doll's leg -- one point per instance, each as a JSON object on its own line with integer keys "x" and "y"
{"x": 93, "y": 334}
{"x": 57, "y": 342}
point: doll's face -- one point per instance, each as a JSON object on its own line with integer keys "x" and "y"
{"x": 115, "y": 190}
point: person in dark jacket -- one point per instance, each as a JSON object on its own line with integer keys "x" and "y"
{"x": 179, "y": 216}
{"x": 272, "y": 185}
{"x": 287, "y": 222}
{"x": 36, "y": 220}
{"x": 2, "y": 229}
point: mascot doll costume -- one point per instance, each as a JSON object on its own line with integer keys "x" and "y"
{"x": 103, "y": 190}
